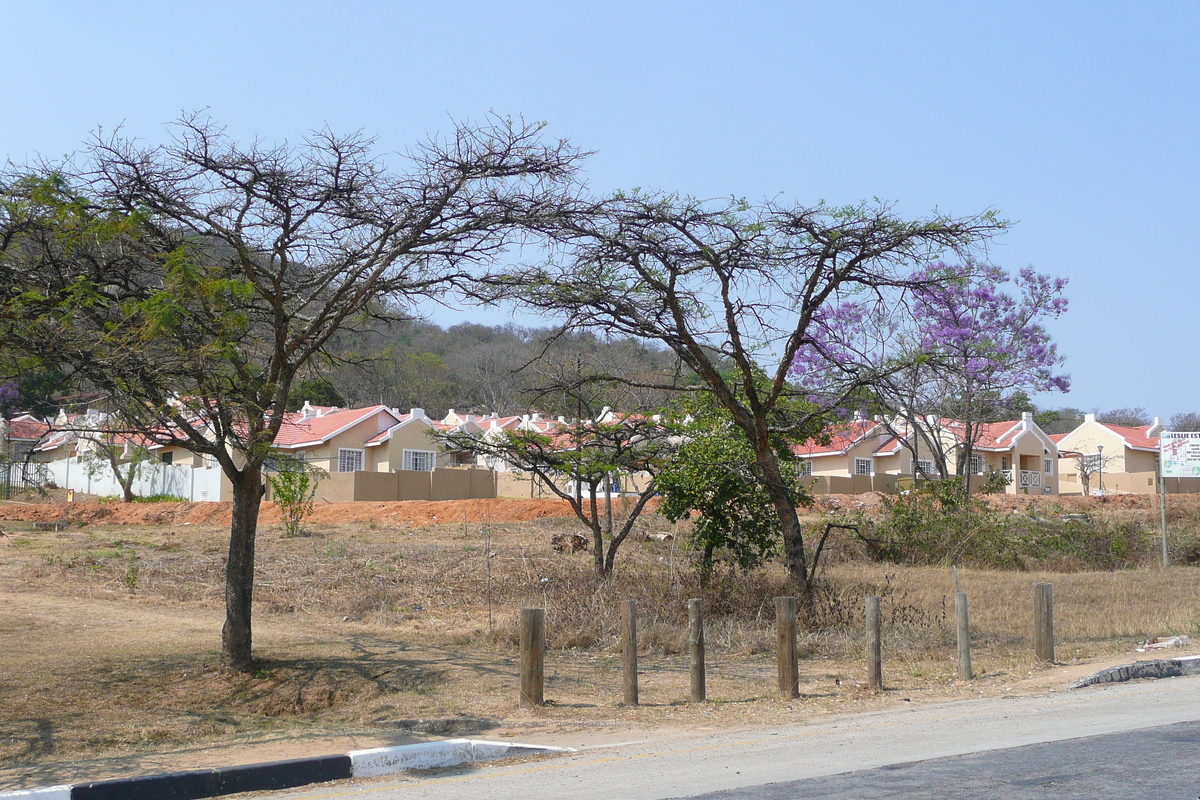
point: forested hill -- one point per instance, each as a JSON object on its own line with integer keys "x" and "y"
{"x": 480, "y": 369}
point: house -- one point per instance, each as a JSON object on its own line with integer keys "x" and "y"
{"x": 1101, "y": 458}
{"x": 854, "y": 457}
{"x": 868, "y": 455}
{"x": 1020, "y": 450}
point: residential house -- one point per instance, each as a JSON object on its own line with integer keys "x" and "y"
{"x": 1098, "y": 457}
{"x": 867, "y": 455}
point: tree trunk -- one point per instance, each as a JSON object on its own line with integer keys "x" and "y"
{"x": 239, "y": 571}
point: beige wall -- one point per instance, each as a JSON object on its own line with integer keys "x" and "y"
{"x": 441, "y": 484}
{"x": 1128, "y": 483}
{"x": 1089, "y": 437}
{"x": 853, "y": 484}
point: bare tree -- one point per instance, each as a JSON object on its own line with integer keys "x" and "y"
{"x": 1089, "y": 464}
{"x": 733, "y": 291}
{"x": 586, "y": 463}
{"x": 1189, "y": 421}
{"x": 1128, "y": 417}
{"x": 194, "y": 281}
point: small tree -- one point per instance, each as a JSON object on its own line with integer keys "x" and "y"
{"x": 293, "y": 488}
{"x": 1089, "y": 464}
{"x": 581, "y": 463}
{"x": 118, "y": 454}
{"x": 713, "y": 477}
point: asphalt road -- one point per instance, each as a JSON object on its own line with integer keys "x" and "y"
{"x": 1125, "y": 740}
{"x": 1150, "y": 763}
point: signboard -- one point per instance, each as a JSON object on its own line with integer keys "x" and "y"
{"x": 1180, "y": 454}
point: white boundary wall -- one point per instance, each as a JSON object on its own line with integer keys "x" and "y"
{"x": 154, "y": 478}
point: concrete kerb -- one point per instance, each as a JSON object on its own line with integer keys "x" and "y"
{"x": 1161, "y": 668}
{"x": 287, "y": 774}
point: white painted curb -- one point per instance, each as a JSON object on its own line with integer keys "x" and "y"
{"x": 48, "y": 793}
{"x": 428, "y": 755}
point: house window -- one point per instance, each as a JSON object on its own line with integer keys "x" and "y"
{"x": 350, "y": 460}
{"x": 806, "y": 466}
{"x": 862, "y": 466}
{"x": 923, "y": 467}
{"x": 976, "y": 466}
{"x": 1049, "y": 466}
{"x": 1004, "y": 463}
{"x": 167, "y": 458}
{"x": 419, "y": 460}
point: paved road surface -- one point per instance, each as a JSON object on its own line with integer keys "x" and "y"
{"x": 886, "y": 749}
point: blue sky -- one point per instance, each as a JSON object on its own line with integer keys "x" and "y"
{"x": 1077, "y": 121}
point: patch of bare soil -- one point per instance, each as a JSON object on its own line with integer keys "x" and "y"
{"x": 89, "y": 511}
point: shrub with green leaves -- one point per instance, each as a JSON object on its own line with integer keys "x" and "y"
{"x": 293, "y": 488}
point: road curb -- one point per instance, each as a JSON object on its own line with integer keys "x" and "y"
{"x": 1161, "y": 668}
{"x": 273, "y": 775}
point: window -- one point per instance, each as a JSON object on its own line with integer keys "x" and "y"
{"x": 806, "y": 466}
{"x": 419, "y": 460}
{"x": 350, "y": 460}
{"x": 862, "y": 466}
{"x": 167, "y": 458}
{"x": 976, "y": 464}
{"x": 1049, "y": 466}
{"x": 923, "y": 468}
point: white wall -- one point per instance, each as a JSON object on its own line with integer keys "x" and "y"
{"x": 196, "y": 484}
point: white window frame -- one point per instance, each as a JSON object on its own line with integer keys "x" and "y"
{"x": 923, "y": 467}
{"x": 976, "y": 466}
{"x": 861, "y": 464}
{"x": 409, "y": 460}
{"x": 351, "y": 457}
{"x": 805, "y": 467}
{"x": 1049, "y": 464}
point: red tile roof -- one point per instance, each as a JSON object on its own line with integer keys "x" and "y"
{"x": 297, "y": 431}
{"x": 27, "y": 428}
{"x": 841, "y": 439}
{"x": 1138, "y": 437}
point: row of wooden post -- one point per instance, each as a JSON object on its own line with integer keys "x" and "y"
{"x": 533, "y": 645}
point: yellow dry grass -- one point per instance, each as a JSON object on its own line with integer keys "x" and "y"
{"x": 111, "y": 637}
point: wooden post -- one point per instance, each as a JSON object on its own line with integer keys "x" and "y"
{"x": 1162, "y": 511}
{"x": 874, "y": 645}
{"x": 696, "y": 648}
{"x": 533, "y": 649}
{"x": 629, "y": 651}
{"x": 785, "y": 656}
{"x": 1043, "y": 621}
{"x": 964, "y": 637}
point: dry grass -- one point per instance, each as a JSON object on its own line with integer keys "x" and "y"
{"x": 362, "y": 626}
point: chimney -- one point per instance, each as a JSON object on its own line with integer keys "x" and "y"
{"x": 1089, "y": 417}
{"x": 418, "y": 413}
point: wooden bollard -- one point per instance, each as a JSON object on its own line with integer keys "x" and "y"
{"x": 533, "y": 660}
{"x": 874, "y": 645}
{"x": 785, "y": 656}
{"x": 1043, "y": 621}
{"x": 629, "y": 648}
{"x": 696, "y": 649}
{"x": 964, "y": 637}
